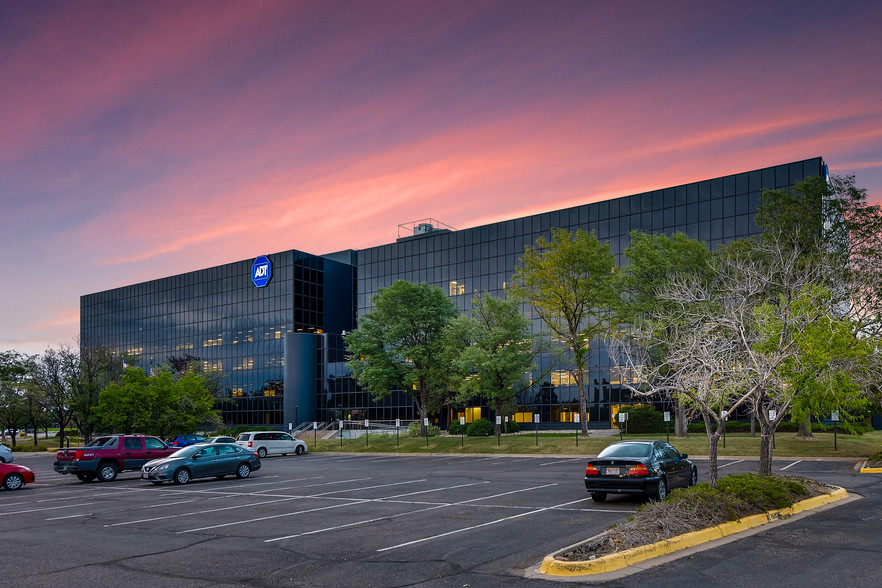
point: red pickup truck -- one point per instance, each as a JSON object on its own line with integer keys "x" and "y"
{"x": 106, "y": 456}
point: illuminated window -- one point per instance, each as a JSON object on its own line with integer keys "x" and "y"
{"x": 269, "y": 392}
{"x": 237, "y": 392}
{"x": 562, "y": 378}
{"x": 456, "y": 289}
{"x": 247, "y": 364}
{"x": 216, "y": 342}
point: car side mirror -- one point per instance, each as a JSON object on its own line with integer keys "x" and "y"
{"x": 684, "y": 455}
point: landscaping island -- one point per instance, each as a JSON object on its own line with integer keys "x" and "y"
{"x": 689, "y": 517}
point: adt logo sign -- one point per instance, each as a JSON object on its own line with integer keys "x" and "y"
{"x": 261, "y": 271}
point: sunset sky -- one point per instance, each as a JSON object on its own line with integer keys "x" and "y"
{"x": 145, "y": 139}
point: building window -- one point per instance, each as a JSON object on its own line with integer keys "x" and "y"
{"x": 562, "y": 378}
{"x": 456, "y": 289}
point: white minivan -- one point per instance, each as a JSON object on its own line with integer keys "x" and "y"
{"x": 266, "y": 442}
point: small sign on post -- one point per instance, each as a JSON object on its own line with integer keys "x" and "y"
{"x": 536, "y": 421}
{"x": 498, "y": 430}
{"x": 577, "y": 418}
{"x": 667, "y": 426}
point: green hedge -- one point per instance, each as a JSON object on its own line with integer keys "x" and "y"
{"x": 480, "y": 428}
{"x": 857, "y": 428}
{"x": 644, "y": 419}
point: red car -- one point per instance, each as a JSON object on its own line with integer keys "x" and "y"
{"x": 15, "y": 476}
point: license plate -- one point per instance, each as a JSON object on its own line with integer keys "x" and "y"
{"x": 612, "y": 471}
{"x": 144, "y": 475}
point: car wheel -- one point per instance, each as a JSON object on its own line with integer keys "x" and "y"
{"x": 182, "y": 476}
{"x": 107, "y": 472}
{"x": 261, "y": 452}
{"x": 299, "y": 450}
{"x": 13, "y": 481}
{"x": 598, "y": 496}
{"x": 85, "y": 476}
{"x": 243, "y": 470}
{"x": 693, "y": 479}
{"x": 2, "y": 460}
{"x": 661, "y": 490}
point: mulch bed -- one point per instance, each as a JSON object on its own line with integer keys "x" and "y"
{"x": 658, "y": 521}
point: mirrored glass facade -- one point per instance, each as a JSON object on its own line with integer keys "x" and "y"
{"x": 219, "y": 319}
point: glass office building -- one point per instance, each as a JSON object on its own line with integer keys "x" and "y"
{"x": 280, "y": 345}
{"x": 220, "y": 320}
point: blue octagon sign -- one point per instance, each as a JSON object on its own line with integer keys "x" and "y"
{"x": 261, "y": 271}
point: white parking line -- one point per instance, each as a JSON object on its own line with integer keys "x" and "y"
{"x": 432, "y": 507}
{"x": 3, "y": 514}
{"x": 791, "y": 465}
{"x": 487, "y": 524}
{"x": 85, "y": 514}
{"x": 283, "y": 499}
{"x": 564, "y": 460}
{"x": 730, "y": 463}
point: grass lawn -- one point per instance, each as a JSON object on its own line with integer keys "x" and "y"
{"x": 737, "y": 444}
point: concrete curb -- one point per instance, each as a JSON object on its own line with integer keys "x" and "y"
{"x": 865, "y": 470}
{"x": 616, "y": 561}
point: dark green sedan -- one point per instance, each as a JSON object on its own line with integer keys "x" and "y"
{"x": 201, "y": 461}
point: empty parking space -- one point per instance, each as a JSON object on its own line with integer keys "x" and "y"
{"x": 394, "y": 512}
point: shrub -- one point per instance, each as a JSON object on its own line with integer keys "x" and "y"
{"x": 644, "y": 419}
{"x": 456, "y": 428}
{"x": 764, "y": 492}
{"x": 480, "y": 428}
{"x": 413, "y": 430}
{"x": 511, "y": 426}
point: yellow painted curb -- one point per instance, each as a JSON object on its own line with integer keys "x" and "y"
{"x": 617, "y": 561}
{"x": 871, "y": 470}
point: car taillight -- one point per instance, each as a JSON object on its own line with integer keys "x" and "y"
{"x": 251, "y": 444}
{"x": 78, "y": 455}
{"x": 592, "y": 471}
{"x": 638, "y": 470}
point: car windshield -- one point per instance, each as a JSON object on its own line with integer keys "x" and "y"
{"x": 186, "y": 451}
{"x": 626, "y": 450}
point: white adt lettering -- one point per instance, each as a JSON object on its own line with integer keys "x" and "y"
{"x": 260, "y": 271}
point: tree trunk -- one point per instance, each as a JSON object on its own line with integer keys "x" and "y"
{"x": 681, "y": 427}
{"x": 580, "y": 374}
{"x": 712, "y": 427}
{"x": 805, "y": 429}
{"x": 423, "y": 407}
{"x": 752, "y": 424}
{"x": 712, "y": 470}
{"x": 498, "y": 410}
{"x": 765, "y": 463}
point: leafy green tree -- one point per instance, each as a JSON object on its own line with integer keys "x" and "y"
{"x": 824, "y": 374}
{"x": 398, "y": 346}
{"x": 159, "y": 405}
{"x": 490, "y": 351}
{"x": 570, "y": 281}
{"x": 833, "y": 227}
{"x": 654, "y": 261}
{"x": 14, "y": 382}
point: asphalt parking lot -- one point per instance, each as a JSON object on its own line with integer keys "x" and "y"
{"x": 387, "y": 520}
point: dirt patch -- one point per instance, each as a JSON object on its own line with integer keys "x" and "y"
{"x": 658, "y": 521}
